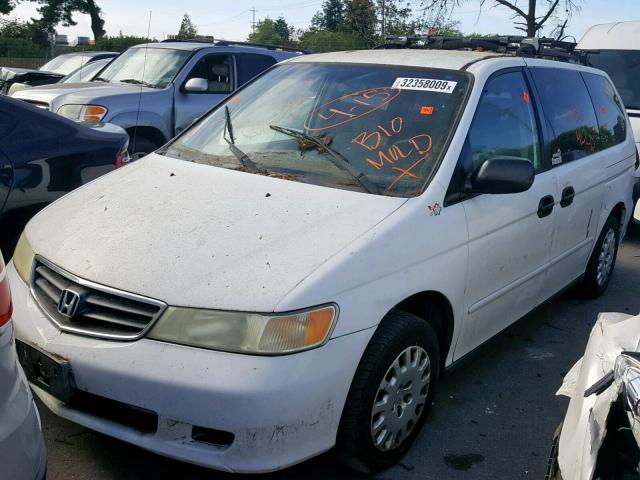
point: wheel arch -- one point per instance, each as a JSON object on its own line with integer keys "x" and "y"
{"x": 152, "y": 133}
{"x": 619, "y": 211}
{"x": 435, "y": 308}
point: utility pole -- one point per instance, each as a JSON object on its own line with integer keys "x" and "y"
{"x": 253, "y": 22}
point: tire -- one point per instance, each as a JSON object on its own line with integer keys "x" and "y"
{"x": 595, "y": 280}
{"x": 399, "y": 333}
{"x": 142, "y": 147}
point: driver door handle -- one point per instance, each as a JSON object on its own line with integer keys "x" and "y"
{"x": 545, "y": 207}
{"x": 567, "y": 196}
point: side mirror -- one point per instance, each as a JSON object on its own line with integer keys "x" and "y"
{"x": 196, "y": 85}
{"x": 502, "y": 175}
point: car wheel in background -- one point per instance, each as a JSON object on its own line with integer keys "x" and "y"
{"x": 603, "y": 259}
{"x": 140, "y": 146}
{"x": 390, "y": 393}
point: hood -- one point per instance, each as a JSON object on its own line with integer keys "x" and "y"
{"x": 200, "y": 236}
{"x": 79, "y": 93}
{"x": 26, "y": 74}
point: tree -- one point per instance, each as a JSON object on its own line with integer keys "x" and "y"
{"x": 360, "y": 19}
{"x": 330, "y": 17}
{"x": 275, "y": 32}
{"x": 530, "y": 20}
{"x": 54, "y": 12}
{"x": 187, "y": 28}
{"x": 326, "y": 41}
{"x": 7, "y": 6}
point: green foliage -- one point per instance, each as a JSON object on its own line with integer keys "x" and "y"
{"x": 119, "y": 44}
{"x": 187, "y": 28}
{"x": 331, "y": 17}
{"x": 326, "y": 41}
{"x": 274, "y": 32}
{"x": 6, "y": 6}
{"x": 360, "y": 20}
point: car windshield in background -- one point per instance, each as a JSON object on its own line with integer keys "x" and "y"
{"x": 86, "y": 72}
{"x": 64, "y": 64}
{"x": 623, "y": 66}
{"x": 360, "y": 127}
{"x": 151, "y": 67}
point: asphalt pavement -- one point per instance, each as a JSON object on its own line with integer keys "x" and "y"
{"x": 493, "y": 417}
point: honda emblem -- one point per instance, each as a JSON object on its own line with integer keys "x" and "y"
{"x": 69, "y": 303}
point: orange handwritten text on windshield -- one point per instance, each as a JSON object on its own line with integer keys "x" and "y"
{"x": 348, "y": 108}
{"x": 411, "y": 151}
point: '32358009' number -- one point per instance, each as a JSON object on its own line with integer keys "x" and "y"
{"x": 425, "y": 84}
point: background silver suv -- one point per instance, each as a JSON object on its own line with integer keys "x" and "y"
{"x": 156, "y": 90}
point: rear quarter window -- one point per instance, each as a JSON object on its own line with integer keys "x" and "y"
{"x": 569, "y": 113}
{"x": 609, "y": 111}
{"x": 251, "y": 64}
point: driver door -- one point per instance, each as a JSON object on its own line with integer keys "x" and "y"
{"x": 509, "y": 235}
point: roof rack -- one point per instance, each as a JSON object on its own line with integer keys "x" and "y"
{"x": 228, "y": 43}
{"x": 508, "y": 45}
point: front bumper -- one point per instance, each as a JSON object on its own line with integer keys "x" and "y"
{"x": 280, "y": 410}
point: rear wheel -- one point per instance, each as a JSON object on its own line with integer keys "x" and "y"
{"x": 390, "y": 394}
{"x": 602, "y": 260}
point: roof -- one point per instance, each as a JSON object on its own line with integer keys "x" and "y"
{"x": 612, "y": 36}
{"x": 449, "y": 59}
{"x": 188, "y": 46}
{"x": 87, "y": 53}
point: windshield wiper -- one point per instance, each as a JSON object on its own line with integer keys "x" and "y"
{"x": 100, "y": 79}
{"x": 244, "y": 159}
{"x": 135, "y": 81}
{"x": 336, "y": 157}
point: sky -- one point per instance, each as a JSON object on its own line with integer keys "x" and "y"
{"x": 232, "y": 19}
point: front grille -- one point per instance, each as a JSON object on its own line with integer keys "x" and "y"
{"x": 91, "y": 309}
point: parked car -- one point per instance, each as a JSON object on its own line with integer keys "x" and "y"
{"x": 615, "y": 48}
{"x": 156, "y": 90}
{"x": 85, "y": 73}
{"x": 44, "y": 156}
{"x": 600, "y": 434}
{"x": 50, "y": 72}
{"x": 22, "y": 452}
{"x": 295, "y": 271}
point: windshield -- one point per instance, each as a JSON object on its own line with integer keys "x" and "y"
{"x": 65, "y": 64}
{"x": 152, "y": 67}
{"x": 86, "y": 72}
{"x": 623, "y": 66}
{"x": 374, "y": 128}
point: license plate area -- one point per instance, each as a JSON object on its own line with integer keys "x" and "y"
{"x": 50, "y": 373}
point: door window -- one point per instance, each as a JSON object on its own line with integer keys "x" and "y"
{"x": 609, "y": 111}
{"x": 217, "y": 70}
{"x": 504, "y": 126}
{"x": 569, "y": 112}
{"x": 251, "y": 64}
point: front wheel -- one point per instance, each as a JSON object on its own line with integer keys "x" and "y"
{"x": 602, "y": 260}
{"x": 390, "y": 393}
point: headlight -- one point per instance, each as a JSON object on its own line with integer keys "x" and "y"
{"x": 246, "y": 332}
{"x": 23, "y": 259}
{"x": 83, "y": 112}
{"x": 627, "y": 377}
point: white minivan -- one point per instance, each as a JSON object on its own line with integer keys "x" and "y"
{"x": 296, "y": 270}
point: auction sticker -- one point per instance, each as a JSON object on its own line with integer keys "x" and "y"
{"x": 424, "y": 84}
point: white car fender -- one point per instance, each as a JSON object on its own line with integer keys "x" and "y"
{"x": 584, "y": 426}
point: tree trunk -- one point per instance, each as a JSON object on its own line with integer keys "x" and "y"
{"x": 531, "y": 19}
{"x": 97, "y": 23}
